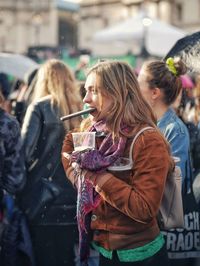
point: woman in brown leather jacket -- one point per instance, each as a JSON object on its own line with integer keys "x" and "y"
{"x": 118, "y": 205}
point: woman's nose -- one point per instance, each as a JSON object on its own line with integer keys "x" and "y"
{"x": 87, "y": 98}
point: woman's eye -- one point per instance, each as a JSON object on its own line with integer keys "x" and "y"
{"x": 94, "y": 92}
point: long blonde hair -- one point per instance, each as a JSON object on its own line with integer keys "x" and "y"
{"x": 56, "y": 79}
{"x": 129, "y": 107}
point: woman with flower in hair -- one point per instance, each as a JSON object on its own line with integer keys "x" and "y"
{"x": 160, "y": 85}
{"x": 117, "y": 205}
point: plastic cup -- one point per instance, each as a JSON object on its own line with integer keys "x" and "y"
{"x": 83, "y": 140}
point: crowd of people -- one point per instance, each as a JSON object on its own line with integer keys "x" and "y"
{"x": 96, "y": 206}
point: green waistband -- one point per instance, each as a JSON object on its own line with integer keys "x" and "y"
{"x": 136, "y": 254}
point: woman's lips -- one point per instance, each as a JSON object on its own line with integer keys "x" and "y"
{"x": 92, "y": 111}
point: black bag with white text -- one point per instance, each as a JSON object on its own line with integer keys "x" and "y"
{"x": 185, "y": 242}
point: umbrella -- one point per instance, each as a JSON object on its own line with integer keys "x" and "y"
{"x": 16, "y": 64}
{"x": 188, "y": 49}
{"x": 130, "y": 34}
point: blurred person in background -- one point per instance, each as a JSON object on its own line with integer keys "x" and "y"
{"x": 160, "y": 85}
{"x": 187, "y": 108}
{"x": 23, "y": 97}
{"x": 54, "y": 230}
{"x": 5, "y": 88}
{"x": 192, "y": 110}
{"x": 191, "y": 116}
{"x": 81, "y": 68}
{"x": 12, "y": 171}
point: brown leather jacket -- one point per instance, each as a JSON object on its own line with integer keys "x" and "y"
{"x": 126, "y": 216}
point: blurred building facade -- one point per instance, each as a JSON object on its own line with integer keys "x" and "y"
{"x": 95, "y": 15}
{"x": 25, "y": 23}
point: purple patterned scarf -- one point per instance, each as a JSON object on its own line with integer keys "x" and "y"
{"x": 88, "y": 199}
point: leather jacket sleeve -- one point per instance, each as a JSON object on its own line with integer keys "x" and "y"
{"x": 31, "y": 129}
{"x": 68, "y": 148}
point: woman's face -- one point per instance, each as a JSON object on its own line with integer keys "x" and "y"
{"x": 95, "y": 98}
{"x": 144, "y": 87}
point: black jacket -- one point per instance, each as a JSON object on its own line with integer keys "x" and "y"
{"x": 12, "y": 176}
{"x": 42, "y": 136}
